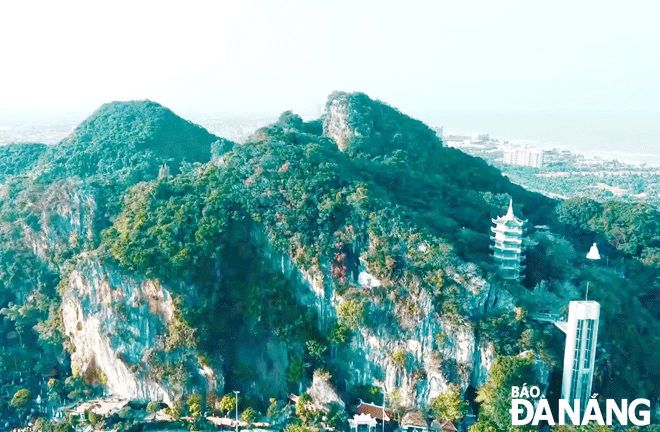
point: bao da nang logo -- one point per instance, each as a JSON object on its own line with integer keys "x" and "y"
{"x": 576, "y": 412}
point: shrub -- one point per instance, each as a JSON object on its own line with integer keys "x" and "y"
{"x": 399, "y": 358}
{"x": 449, "y": 405}
{"x": 21, "y": 398}
{"x": 351, "y": 313}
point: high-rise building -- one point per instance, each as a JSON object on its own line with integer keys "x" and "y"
{"x": 508, "y": 247}
{"x": 523, "y": 157}
{"x": 580, "y": 352}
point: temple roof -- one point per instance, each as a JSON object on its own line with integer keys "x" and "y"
{"x": 375, "y": 411}
{"x": 414, "y": 418}
{"x": 443, "y": 425}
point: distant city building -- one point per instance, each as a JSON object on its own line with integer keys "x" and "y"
{"x": 480, "y": 137}
{"x": 457, "y": 140}
{"x": 523, "y": 157}
{"x": 580, "y": 352}
{"x": 508, "y": 244}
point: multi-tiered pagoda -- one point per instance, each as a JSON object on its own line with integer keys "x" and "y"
{"x": 508, "y": 247}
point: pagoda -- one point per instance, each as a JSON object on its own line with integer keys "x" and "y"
{"x": 508, "y": 244}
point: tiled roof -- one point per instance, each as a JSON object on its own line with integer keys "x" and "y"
{"x": 374, "y": 411}
{"x": 414, "y": 418}
{"x": 443, "y": 425}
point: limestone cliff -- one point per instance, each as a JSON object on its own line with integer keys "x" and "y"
{"x": 115, "y": 322}
{"x": 436, "y": 351}
{"x": 62, "y": 219}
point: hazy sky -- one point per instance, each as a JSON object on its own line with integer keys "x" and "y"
{"x": 506, "y": 67}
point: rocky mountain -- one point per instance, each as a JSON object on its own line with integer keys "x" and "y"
{"x": 358, "y": 124}
{"x": 147, "y": 258}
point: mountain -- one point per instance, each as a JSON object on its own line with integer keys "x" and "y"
{"x": 339, "y": 258}
{"x": 132, "y": 139}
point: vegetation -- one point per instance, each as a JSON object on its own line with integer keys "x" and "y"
{"x": 495, "y": 395}
{"x": 128, "y": 142}
{"x": 227, "y": 403}
{"x": 16, "y": 159}
{"x": 449, "y": 405}
{"x": 249, "y": 415}
{"x": 351, "y": 313}
{"x": 221, "y": 225}
{"x": 21, "y": 398}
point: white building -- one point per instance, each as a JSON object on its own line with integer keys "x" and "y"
{"x": 523, "y": 157}
{"x": 580, "y": 352}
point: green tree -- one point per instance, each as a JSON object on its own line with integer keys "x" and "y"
{"x": 495, "y": 395}
{"x": 249, "y": 415}
{"x": 292, "y": 427}
{"x": 351, "y": 313}
{"x": 152, "y": 407}
{"x": 295, "y": 371}
{"x": 174, "y": 411}
{"x": 316, "y": 349}
{"x": 399, "y": 358}
{"x": 289, "y": 119}
{"x": 449, "y": 405}
{"x": 21, "y": 398}
{"x": 227, "y": 403}
{"x": 274, "y": 409}
{"x": 306, "y": 411}
{"x": 94, "y": 419}
{"x": 195, "y": 405}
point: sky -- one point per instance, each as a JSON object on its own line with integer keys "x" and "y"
{"x": 563, "y": 72}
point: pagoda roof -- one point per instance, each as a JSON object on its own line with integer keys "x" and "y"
{"x": 507, "y": 230}
{"x": 514, "y": 267}
{"x": 511, "y": 240}
{"x": 507, "y": 248}
{"x": 509, "y": 218}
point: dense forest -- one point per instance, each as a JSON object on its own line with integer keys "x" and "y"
{"x": 142, "y": 191}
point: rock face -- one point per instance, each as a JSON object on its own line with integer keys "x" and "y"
{"x": 322, "y": 393}
{"x": 64, "y": 217}
{"x": 415, "y": 365}
{"x": 359, "y": 123}
{"x": 113, "y": 323}
{"x": 429, "y": 365}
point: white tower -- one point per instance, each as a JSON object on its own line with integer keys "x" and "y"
{"x": 508, "y": 244}
{"x": 580, "y": 352}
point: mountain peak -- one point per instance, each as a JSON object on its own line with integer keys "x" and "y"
{"x": 358, "y": 123}
{"x": 117, "y": 132}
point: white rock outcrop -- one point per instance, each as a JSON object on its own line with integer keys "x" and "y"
{"x": 111, "y": 321}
